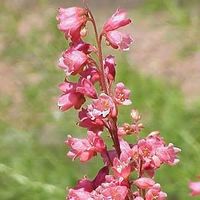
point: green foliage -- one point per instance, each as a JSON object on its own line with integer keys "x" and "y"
{"x": 181, "y": 12}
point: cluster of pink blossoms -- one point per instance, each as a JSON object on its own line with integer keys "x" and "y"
{"x": 129, "y": 169}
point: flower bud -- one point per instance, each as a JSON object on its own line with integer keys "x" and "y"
{"x": 135, "y": 115}
{"x": 83, "y": 32}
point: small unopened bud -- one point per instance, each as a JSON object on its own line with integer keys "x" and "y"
{"x": 107, "y": 43}
{"x": 154, "y": 133}
{"x": 83, "y": 32}
{"x": 140, "y": 125}
{"x": 135, "y": 115}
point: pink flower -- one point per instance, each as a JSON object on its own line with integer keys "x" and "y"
{"x": 168, "y": 154}
{"x": 115, "y": 193}
{"x": 66, "y": 101}
{"x": 85, "y": 149}
{"x": 122, "y": 94}
{"x": 115, "y": 38}
{"x": 121, "y": 166}
{"x": 195, "y": 188}
{"x": 70, "y": 98}
{"x": 109, "y": 65}
{"x": 91, "y": 74}
{"x": 85, "y": 184}
{"x": 88, "y": 185}
{"x": 73, "y": 94}
{"x": 102, "y": 107}
{"x": 144, "y": 183}
{"x": 155, "y": 193}
{"x": 80, "y": 45}
{"x": 71, "y": 21}
{"x": 72, "y": 61}
{"x": 86, "y": 87}
{"x": 112, "y": 188}
{"x": 91, "y": 124}
{"x": 95, "y": 75}
{"x": 146, "y": 149}
{"x": 67, "y": 87}
{"x": 154, "y": 151}
{"x": 117, "y": 20}
{"x": 79, "y": 194}
{"x": 126, "y": 151}
{"x": 96, "y": 141}
{"x": 119, "y": 40}
{"x": 138, "y": 198}
{"x": 121, "y": 169}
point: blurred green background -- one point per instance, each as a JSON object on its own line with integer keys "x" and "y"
{"x": 162, "y": 69}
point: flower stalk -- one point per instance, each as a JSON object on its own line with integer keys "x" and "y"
{"x": 144, "y": 157}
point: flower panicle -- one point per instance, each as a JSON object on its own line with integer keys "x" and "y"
{"x": 97, "y": 98}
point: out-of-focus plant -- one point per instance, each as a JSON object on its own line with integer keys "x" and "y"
{"x": 129, "y": 169}
{"x": 195, "y": 188}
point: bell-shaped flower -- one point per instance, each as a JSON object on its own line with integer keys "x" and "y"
{"x": 119, "y": 40}
{"x": 82, "y": 46}
{"x": 73, "y": 94}
{"x": 122, "y": 94}
{"x": 116, "y": 38}
{"x": 86, "y": 87}
{"x": 117, "y": 20}
{"x": 72, "y": 61}
{"x": 85, "y": 149}
{"x": 71, "y": 21}
{"x": 109, "y": 67}
{"x": 69, "y": 100}
{"x": 91, "y": 74}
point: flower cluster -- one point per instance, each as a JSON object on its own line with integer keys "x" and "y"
{"x": 129, "y": 169}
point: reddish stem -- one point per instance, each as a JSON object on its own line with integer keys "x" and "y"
{"x": 109, "y": 159}
{"x": 115, "y": 136}
{"x": 141, "y": 191}
{"x": 105, "y": 86}
{"x": 100, "y": 55}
